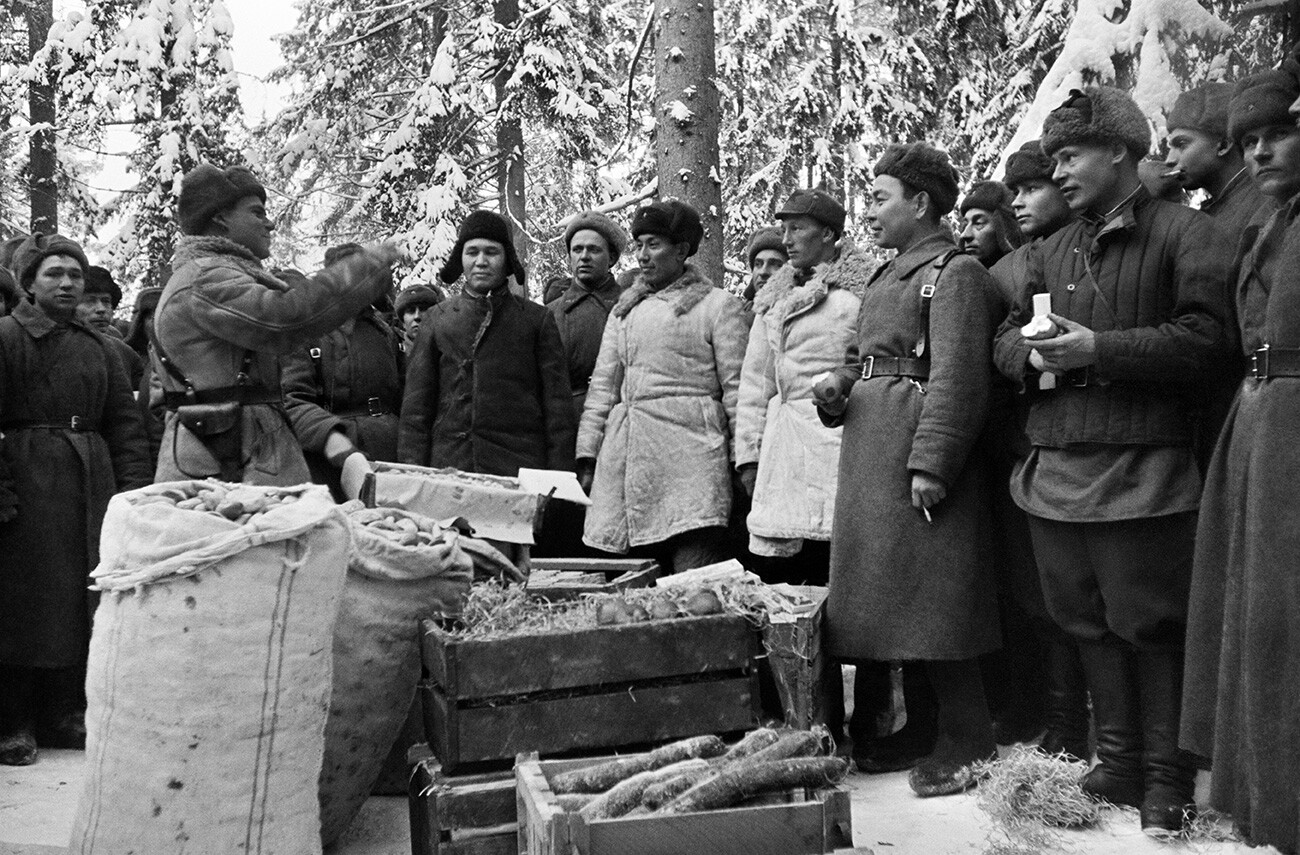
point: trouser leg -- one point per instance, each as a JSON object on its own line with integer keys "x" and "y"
{"x": 1112, "y": 678}
{"x": 61, "y": 721}
{"x": 1169, "y": 773}
{"x": 965, "y": 731}
{"x": 698, "y": 548}
{"x": 17, "y": 716}
{"x": 1067, "y": 696}
{"x": 915, "y": 739}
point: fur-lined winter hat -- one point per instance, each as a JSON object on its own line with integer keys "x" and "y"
{"x": 416, "y": 297}
{"x": 768, "y": 237}
{"x": 1262, "y": 100}
{"x": 100, "y": 281}
{"x": 602, "y": 225}
{"x": 671, "y": 218}
{"x": 485, "y": 225}
{"x": 207, "y": 190}
{"x": 923, "y": 167}
{"x": 38, "y": 247}
{"x": 1028, "y": 163}
{"x": 818, "y": 204}
{"x": 1100, "y": 116}
{"x": 1203, "y": 108}
{"x": 987, "y": 196}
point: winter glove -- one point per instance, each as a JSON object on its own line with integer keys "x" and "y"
{"x": 586, "y": 469}
{"x": 831, "y": 391}
{"x": 747, "y": 474}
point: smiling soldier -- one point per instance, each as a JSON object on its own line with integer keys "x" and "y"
{"x": 1110, "y": 483}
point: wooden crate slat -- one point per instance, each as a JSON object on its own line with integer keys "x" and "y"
{"x": 501, "y": 844}
{"x": 461, "y": 814}
{"x": 477, "y": 805}
{"x": 606, "y": 654}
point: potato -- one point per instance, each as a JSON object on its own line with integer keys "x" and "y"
{"x": 231, "y": 510}
{"x": 703, "y": 602}
{"x": 611, "y": 612}
{"x": 662, "y": 609}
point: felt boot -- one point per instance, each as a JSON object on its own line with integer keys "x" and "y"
{"x": 61, "y": 720}
{"x": 1067, "y": 700}
{"x": 17, "y": 716}
{"x": 1170, "y": 775}
{"x": 965, "y": 731}
{"x": 872, "y": 695}
{"x": 916, "y": 738}
{"x": 1112, "y": 682}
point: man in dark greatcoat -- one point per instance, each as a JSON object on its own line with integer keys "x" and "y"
{"x": 487, "y": 388}
{"x": 99, "y": 299}
{"x": 72, "y": 437}
{"x": 1111, "y": 485}
{"x": 988, "y": 225}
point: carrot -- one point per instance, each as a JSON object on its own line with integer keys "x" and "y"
{"x": 626, "y": 794}
{"x": 602, "y": 776}
{"x": 660, "y": 794}
{"x": 570, "y": 802}
{"x": 754, "y": 741}
{"x": 799, "y": 743}
{"x": 746, "y": 779}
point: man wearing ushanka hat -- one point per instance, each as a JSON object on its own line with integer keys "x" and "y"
{"x": 1110, "y": 482}
{"x": 656, "y": 444}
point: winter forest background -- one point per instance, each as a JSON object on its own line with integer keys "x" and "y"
{"x": 403, "y": 115}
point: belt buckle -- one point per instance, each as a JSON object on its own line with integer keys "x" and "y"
{"x": 1080, "y": 378}
{"x": 1259, "y": 363}
{"x": 868, "y": 367}
{"x": 75, "y": 423}
{"x": 375, "y": 406}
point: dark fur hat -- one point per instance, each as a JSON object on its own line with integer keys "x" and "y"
{"x": 602, "y": 225}
{"x": 145, "y": 304}
{"x": 1101, "y": 115}
{"x": 1028, "y": 164}
{"x": 987, "y": 196}
{"x": 207, "y": 190}
{"x": 924, "y": 168}
{"x": 1261, "y": 100}
{"x": 100, "y": 281}
{"x": 416, "y": 297}
{"x": 765, "y": 238}
{"x": 38, "y": 247}
{"x": 671, "y": 218}
{"x": 1203, "y": 108}
{"x": 486, "y": 225}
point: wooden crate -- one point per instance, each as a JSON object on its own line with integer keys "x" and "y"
{"x": 617, "y": 574}
{"x": 461, "y": 814}
{"x": 817, "y": 821}
{"x": 797, "y": 662}
{"x": 595, "y": 688}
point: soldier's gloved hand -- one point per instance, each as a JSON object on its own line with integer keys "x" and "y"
{"x": 747, "y": 473}
{"x": 585, "y": 467}
{"x": 829, "y": 393}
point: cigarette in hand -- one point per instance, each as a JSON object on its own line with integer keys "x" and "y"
{"x": 929, "y": 519}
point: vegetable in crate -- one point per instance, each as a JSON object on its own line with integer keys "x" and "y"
{"x": 626, "y": 794}
{"x": 749, "y": 778}
{"x": 602, "y": 776}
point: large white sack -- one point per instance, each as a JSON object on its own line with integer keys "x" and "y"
{"x": 209, "y": 677}
{"x": 377, "y": 652}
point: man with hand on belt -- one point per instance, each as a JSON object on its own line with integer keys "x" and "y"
{"x": 908, "y": 578}
{"x": 1110, "y": 482}
{"x": 72, "y": 437}
{"x": 221, "y": 324}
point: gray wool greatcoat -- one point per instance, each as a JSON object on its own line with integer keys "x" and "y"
{"x": 900, "y": 587}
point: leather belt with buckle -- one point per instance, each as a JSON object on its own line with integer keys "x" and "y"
{"x": 894, "y": 366}
{"x": 80, "y": 424}
{"x": 1268, "y": 361}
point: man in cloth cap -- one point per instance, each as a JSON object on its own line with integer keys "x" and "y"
{"x": 99, "y": 299}
{"x": 1242, "y": 634}
{"x": 656, "y": 445}
{"x": 410, "y": 307}
{"x": 222, "y": 323}
{"x": 908, "y": 579}
{"x": 1205, "y": 157}
{"x": 1111, "y": 484}
{"x": 764, "y": 255}
{"x": 487, "y": 384}
{"x": 72, "y": 437}
{"x": 1049, "y": 675}
{"x": 988, "y": 225}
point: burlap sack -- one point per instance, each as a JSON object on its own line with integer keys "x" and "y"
{"x": 209, "y": 677}
{"x": 377, "y": 652}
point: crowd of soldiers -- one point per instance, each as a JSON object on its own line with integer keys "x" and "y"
{"x": 1042, "y": 464}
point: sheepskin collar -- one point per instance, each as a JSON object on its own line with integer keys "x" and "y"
{"x": 683, "y": 294}
{"x": 191, "y": 248}
{"x": 784, "y": 294}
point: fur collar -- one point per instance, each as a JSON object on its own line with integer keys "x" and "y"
{"x": 684, "y": 294}
{"x": 190, "y": 248}
{"x": 850, "y": 270}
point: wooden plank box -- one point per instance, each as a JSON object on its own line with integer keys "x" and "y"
{"x": 461, "y": 814}
{"x": 798, "y": 663}
{"x": 817, "y": 821}
{"x": 607, "y": 686}
{"x": 619, "y": 574}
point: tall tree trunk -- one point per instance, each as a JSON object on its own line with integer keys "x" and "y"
{"x": 686, "y": 147}
{"x": 510, "y": 147}
{"x": 42, "y": 160}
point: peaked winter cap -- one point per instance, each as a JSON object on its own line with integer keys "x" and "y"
{"x": 768, "y": 237}
{"x": 38, "y": 247}
{"x": 1103, "y": 116}
{"x": 1028, "y": 163}
{"x": 207, "y": 190}
{"x": 1203, "y": 108}
{"x": 1262, "y": 100}
{"x": 818, "y": 204}
{"x": 923, "y": 167}
{"x": 615, "y": 237}
{"x": 672, "y": 219}
{"x": 987, "y": 196}
{"x": 416, "y": 297}
{"x": 482, "y": 225}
